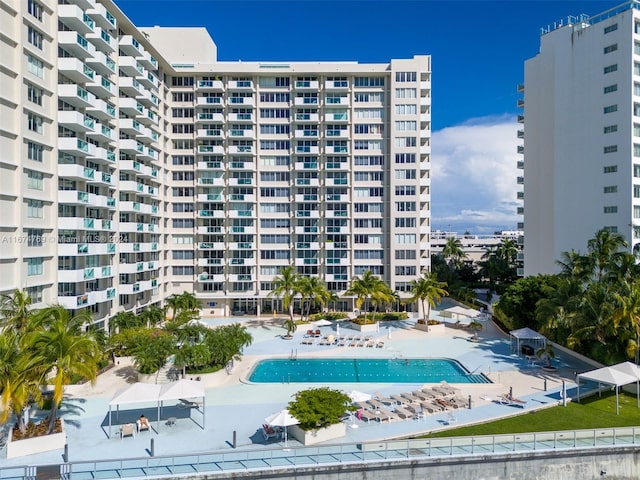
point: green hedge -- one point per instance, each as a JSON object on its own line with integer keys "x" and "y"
{"x": 328, "y": 316}
{"x": 381, "y": 317}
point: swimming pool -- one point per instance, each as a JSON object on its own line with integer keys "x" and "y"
{"x": 371, "y": 370}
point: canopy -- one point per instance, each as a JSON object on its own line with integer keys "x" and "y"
{"x": 527, "y": 334}
{"x": 282, "y": 419}
{"x": 152, "y": 393}
{"x": 459, "y": 311}
{"x": 358, "y": 396}
{"x": 322, "y": 323}
{"x": 616, "y": 375}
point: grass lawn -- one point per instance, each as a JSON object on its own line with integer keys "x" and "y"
{"x": 592, "y": 412}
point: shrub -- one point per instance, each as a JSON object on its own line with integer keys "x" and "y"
{"x": 328, "y": 316}
{"x": 381, "y": 317}
{"x": 319, "y": 407}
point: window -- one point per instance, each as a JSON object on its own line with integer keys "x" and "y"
{"x": 636, "y": 150}
{"x": 611, "y": 128}
{"x": 611, "y": 68}
{"x": 35, "y": 38}
{"x": 35, "y": 293}
{"x": 403, "y": 222}
{"x": 611, "y": 88}
{"x": 183, "y": 270}
{"x": 636, "y": 170}
{"x": 405, "y": 76}
{"x": 610, "y": 149}
{"x": 636, "y": 48}
{"x": 183, "y": 159}
{"x": 35, "y": 66}
{"x": 182, "y": 239}
{"x": 34, "y": 122}
{"x": 35, "y": 151}
{"x": 35, "y": 9}
{"x": 610, "y": 109}
{"x": 34, "y": 266}
{"x": 405, "y": 238}
{"x": 34, "y": 180}
{"x": 405, "y": 158}
{"x": 611, "y": 209}
{"x": 183, "y": 223}
{"x": 405, "y": 174}
{"x": 405, "y": 190}
{"x": 610, "y": 169}
{"x": 405, "y": 270}
{"x": 405, "y": 254}
{"x": 183, "y": 175}
{"x": 636, "y": 211}
{"x": 369, "y": 82}
{"x": 406, "y": 93}
{"x": 34, "y": 237}
{"x": 406, "y": 126}
{"x": 182, "y": 81}
{"x": 611, "y": 48}
{"x": 183, "y": 254}
{"x": 636, "y": 191}
{"x": 611, "y": 189}
{"x": 405, "y": 142}
{"x": 34, "y": 94}
{"x": 404, "y": 109}
{"x": 405, "y": 206}
{"x": 611, "y": 28}
{"x": 34, "y": 208}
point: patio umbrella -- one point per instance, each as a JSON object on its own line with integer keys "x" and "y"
{"x": 282, "y": 419}
{"x": 337, "y": 329}
{"x": 322, "y": 323}
{"x": 358, "y": 396}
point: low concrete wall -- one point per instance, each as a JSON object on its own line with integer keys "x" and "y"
{"x": 370, "y": 328}
{"x": 312, "y": 437}
{"x": 586, "y": 464}
{"x": 430, "y": 328}
{"x": 30, "y": 446}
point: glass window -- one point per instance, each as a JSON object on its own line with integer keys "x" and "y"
{"x": 610, "y": 109}
{"x": 34, "y": 208}
{"x": 611, "y": 128}
{"x": 611, "y": 28}
{"x": 611, "y": 209}
{"x": 35, "y": 151}
{"x": 34, "y": 122}
{"x": 611, "y": 48}
{"x": 34, "y": 180}
{"x": 611, "y": 88}
{"x": 34, "y": 37}
{"x": 34, "y": 266}
{"x": 35, "y": 66}
{"x": 611, "y": 68}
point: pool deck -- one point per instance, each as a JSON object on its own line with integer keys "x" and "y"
{"x": 234, "y": 405}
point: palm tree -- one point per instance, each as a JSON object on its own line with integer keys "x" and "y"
{"x": 21, "y": 375}
{"x": 188, "y": 301}
{"x": 604, "y": 251}
{"x": 453, "y": 251}
{"x": 290, "y": 325}
{"x": 428, "y": 290}
{"x": 369, "y": 289}
{"x": 547, "y": 353}
{"x": 64, "y": 351}
{"x": 476, "y": 326}
{"x": 123, "y": 320}
{"x": 285, "y": 287}
{"x": 152, "y": 316}
{"x": 14, "y": 310}
{"x": 312, "y": 289}
{"x": 173, "y": 302}
{"x": 507, "y": 250}
{"x": 628, "y": 315}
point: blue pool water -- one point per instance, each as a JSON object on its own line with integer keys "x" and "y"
{"x": 380, "y": 370}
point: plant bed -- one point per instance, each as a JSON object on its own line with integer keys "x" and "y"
{"x": 40, "y": 442}
{"x": 368, "y": 327}
{"x": 431, "y": 326}
{"x": 312, "y": 437}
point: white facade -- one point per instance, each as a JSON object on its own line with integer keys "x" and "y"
{"x": 133, "y": 165}
{"x": 582, "y": 135}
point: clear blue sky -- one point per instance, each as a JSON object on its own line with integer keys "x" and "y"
{"x": 477, "y": 47}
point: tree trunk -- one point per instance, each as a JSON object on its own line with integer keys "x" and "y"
{"x": 53, "y": 417}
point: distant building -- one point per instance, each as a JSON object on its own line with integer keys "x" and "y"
{"x": 475, "y": 246}
{"x": 581, "y": 135}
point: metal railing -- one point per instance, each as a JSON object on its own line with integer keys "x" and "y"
{"x": 224, "y": 462}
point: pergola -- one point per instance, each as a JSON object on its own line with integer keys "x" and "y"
{"x": 523, "y": 334}
{"x": 458, "y": 311}
{"x": 616, "y": 375}
{"x": 138, "y": 393}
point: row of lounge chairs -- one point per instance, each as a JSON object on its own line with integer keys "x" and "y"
{"x": 412, "y": 405}
{"x": 345, "y": 341}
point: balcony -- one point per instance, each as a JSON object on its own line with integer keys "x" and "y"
{"x": 130, "y": 66}
{"x": 210, "y": 101}
{"x": 76, "y": 44}
{"x": 76, "y": 96}
{"x": 102, "y": 110}
{"x": 240, "y": 117}
{"x": 335, "y": 101}
{"x": 148, "y": 61}
{"x": 242, "y": 214}
{"x": 306, "y": 101}
{"x": 520, "y": 134}
{"x": 75, "y": 121}
{"x": 306, "y": 85}
{"x": 211, "y": 85}
{"x": 211, "y": 149}
{"x": 520, "y": 149}
{"x": 75, "y": 146}
{"x": 211, "y": 117}
{"x": 75, "y": 70}
{"x": 210, "y": 166}
{"x": 241, "y": 133}
{"x": 240, "y": 101}
{"x": 337, "y": 117}
{"x": 131, "y": 147}
{"x": 520, "y": 103}
{"x": 336, "y": 84}
{"x": 240, "y": 84}
{"x": 307, "y": 117}
{"x": 102, "y": 40}
{"x": 130, "y": 126}
{"x": 101, "y": 64}
{"x": 101, "y": 16}
{"x": 78, "y": 172}
{"x": 210, "y": 133}
{"x": 130, "y": 46}
{"x": 240, "y": 149}
{"x": 211, "y": 246}
{"x": 149, "y": 80}
{"x": 130, "y": 86}
{"x": 131, "y": 106}
{"x": 73, "y": 17}
{"x": 211, "y": 214}
{"x": 306, "y": 133}
{"x": 101, "y": 87}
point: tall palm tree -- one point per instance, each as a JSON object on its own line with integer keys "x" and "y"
{"x": 366, "y": 288}
{"x": 15, "y": 310}
{"x": 453, "y": 251}
{"x": 605, "y": 251}
{"x": 123, "y": 320}
{"x": 428, "y": 290}
{"x": 312, "y": 289}
{"x": 188, "y": 301}
{"x": 285, "y": 287}
{"x": 64, "y": 351}
{"x": 152, "y": 316}
{"x": 507, "y": 250}
{"x": 173, "y": 302}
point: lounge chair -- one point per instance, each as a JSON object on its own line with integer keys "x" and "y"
{"x": 446, "y": 404}
{"x": 450, "y": 418}
{"x": 379, "y": 344}
{"x": 403, "y": 413}
{"x": 423, "y": 396}
{"x": 385, "y": 400}
{"x": 269, "y": 432}
{"x": 369, "y": 415}
{"x": 448, "y": 389}
{"x": 384, "y": 414}
{"x": 142, "y": 424}
{"x": 412, "y": 398}
{"x": 506, "y": 399}
{"x": 400, "y": 400}
{"x": 127, "y": 430}
{"x": 342, "y": 343}
{"x": 376, "y": 404}
{"x": 184, "y": 403}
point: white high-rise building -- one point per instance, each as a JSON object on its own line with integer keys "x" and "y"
{"x": 582, "y": 135}
{"x": 134, "y": 165}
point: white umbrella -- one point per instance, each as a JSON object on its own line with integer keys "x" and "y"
{"x": 322, "y": 323}
{"x": 337, "y": 329}
{"x": 388, "y": 332}
{"x": 358, "y": 396}
{"x": 282, "y": 419}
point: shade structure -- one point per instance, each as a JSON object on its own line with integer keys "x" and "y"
{"x": 358, "y": 396}
{"x": 322, "y": 323}
{"x": 616, "y": 376}
{"x": 523, "y": 334}
{"x": 133, "y": 394}
{"x": 337, "y": 329}
{"x": 458, "y": 312}
{"x": 282, "y": 419}
{"x": 183, "y": 389}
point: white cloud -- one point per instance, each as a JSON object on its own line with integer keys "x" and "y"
{"x": 473, "y": 176}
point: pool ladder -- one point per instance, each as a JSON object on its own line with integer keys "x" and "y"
{"x": 294, "y": 354}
